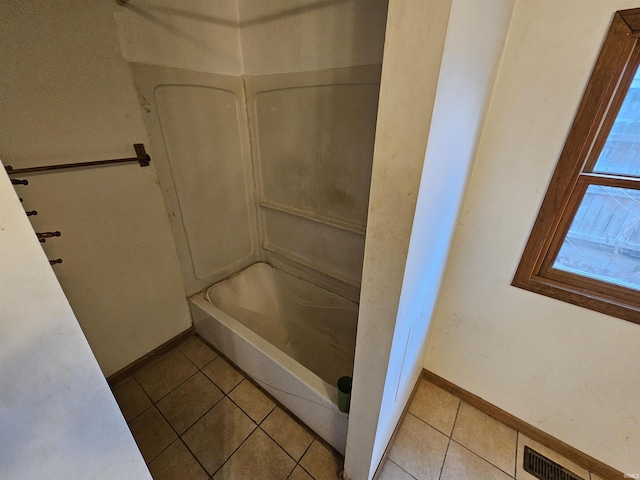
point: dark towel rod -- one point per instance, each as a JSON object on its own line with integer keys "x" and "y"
{"x": 142, "y": 157}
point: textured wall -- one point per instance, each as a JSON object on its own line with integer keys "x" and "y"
{"x": 67, "y": 96}
{"x": 59, "y": 419}
{"x": 199, "y": 35}
{"x": 280, "y": 36}
{"x": 404, "y": 116}
{"x": 566, "y": 370}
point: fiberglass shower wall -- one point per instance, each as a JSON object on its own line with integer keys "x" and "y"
{"x": 262, "y": 119}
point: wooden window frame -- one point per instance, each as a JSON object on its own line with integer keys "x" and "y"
{"x": 610, "y": 79}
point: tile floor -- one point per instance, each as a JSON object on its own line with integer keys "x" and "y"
{"x": 444, "y": 438}
{"x": 194, "y": 416}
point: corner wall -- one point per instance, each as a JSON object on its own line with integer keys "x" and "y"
{"x": 281, "y": 36}
{"x": 404, "y": 115}
{"x": 569, "y": 371}
{"x": 202, "y": 36}
{"x": 59, "y": 419}
{"x": 67, "y": 96}
{"x": 464, "y": 87}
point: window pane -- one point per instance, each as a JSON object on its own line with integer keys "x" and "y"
{"x": 621, "y": 152}
{"x": 604, "y": 239}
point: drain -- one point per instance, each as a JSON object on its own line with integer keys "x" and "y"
{"x": 544, "y": 469}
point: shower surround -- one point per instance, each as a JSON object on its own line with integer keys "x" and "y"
{"x": 270, "y": 162}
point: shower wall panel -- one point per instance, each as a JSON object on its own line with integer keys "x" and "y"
{"x": 329, "y": 250}
{"x": 313, "y": 142}
{"x": 199, "y": 134}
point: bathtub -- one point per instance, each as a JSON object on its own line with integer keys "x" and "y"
{"x": 293, "y": 338}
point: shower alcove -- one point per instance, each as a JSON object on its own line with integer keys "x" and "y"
{"x": 265, "y": 170}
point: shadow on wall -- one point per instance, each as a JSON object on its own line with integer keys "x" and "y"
{"x": 253, "y": 38}
{"x": 270, "y": 17}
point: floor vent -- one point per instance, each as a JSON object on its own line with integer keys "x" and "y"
{"x": 544, "y": 469}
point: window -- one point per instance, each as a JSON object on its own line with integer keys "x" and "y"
{"x": 584, "y": 247}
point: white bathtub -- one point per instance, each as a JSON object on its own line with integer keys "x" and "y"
{"x": 293, "y": 338}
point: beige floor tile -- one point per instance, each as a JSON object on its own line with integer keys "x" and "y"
{"x": 188, "y": 402}
{"x": 392, "y": 471}
{"x": 252, "y": 401}
{"x": 523, "y": 441}
{"x": 165, "y": 374}
{"x": 419, "y": 448}
{"x": 176, "y": 462}
{"x": 131, "y": 399}
{"x": 461, "y": 463}
{"x": 485, "y": 436}
{"x": 216, "y": 435}
{"x": 299, "y": 474}
{"x": 435, "y": 406}
{"x": 223, "y": 374}
{"x": 287, "y": 432}
{"x": 197, "y": 351}
{"x": 152, "y": 433}
{"x": 321, "y": 462}
{"x": 258, "y": 457}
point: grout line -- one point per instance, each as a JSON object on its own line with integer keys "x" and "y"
{"x": 247, "y": 414}
{"x": 236, "y": 449}
{"x": 302, "y": 456}
{"x": 482, "y": 458}
{"x": 176, "y": 387}
{"x": 307, "y": 472}
{"x": 240, "y": 408}
{"x": 281, "y": 447}
{"x": 194, "y": 456}
{"x": 306, "y": 450}
{"x": 170, "y": 391}
{"x": 400, "y": 467}
{"x": 170, "y": 443}
{"x": 179, "y": 437}
{"x": 189, "y": 428}
{"x": 257, "y": 383}
{"x": 444, "y": 459}
{"x": 477, "y": 454}
{"x": 515, "y": 471}
{"x": 144, "y": 392}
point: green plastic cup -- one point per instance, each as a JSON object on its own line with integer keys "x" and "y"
{"x": 344, "y": 393}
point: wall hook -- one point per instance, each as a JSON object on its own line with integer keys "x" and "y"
{"x": 44, "y": 235}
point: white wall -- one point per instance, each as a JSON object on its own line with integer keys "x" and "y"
{"x": 58, "y": 419}
{"x": 199, "y": 35}
{"x": 464, "y": 87}
{"x": 569, "y": 371}
{"x": 67, "y": 96}
{"x": 252, "y": 37}
{"x": 281, "y": 36}
{"x": 413, "y": 50}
